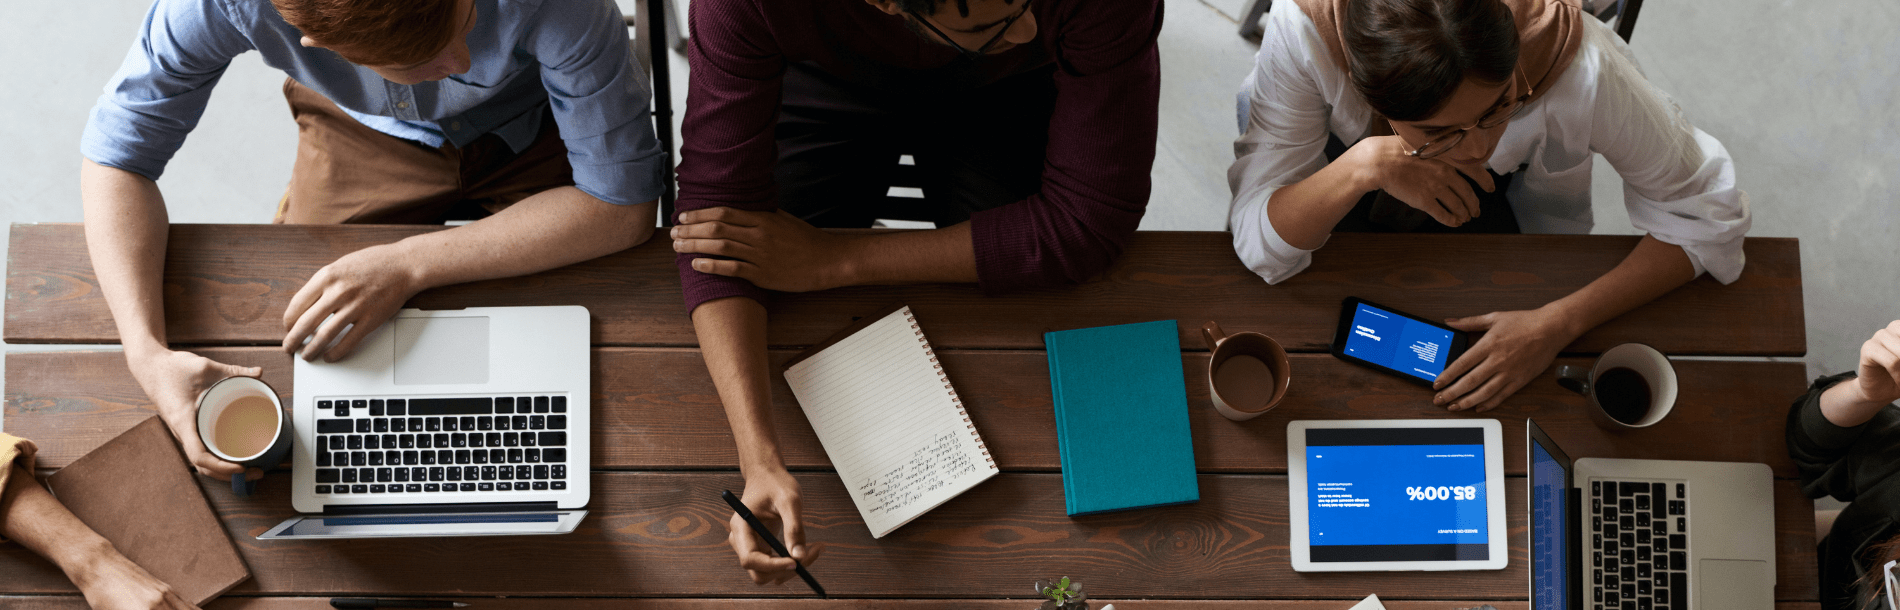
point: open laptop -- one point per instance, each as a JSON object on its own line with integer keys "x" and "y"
{"x": 468, "y": 422}
{"x": 1609, "y": 534}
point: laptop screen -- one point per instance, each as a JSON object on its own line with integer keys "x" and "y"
{"x": 1550, "y": 559}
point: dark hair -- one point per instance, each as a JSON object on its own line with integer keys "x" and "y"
{"x": 1875, "y": 580}
{"x": 1408, "y": 56}
{"x": 929, "y": 7}
{"x": 375, "y": 32}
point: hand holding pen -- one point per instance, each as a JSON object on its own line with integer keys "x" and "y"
{"x": 742, "y": 539}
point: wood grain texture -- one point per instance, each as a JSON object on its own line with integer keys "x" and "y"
{"x": 229, "y": 284}
{"x": 655, "y": 408}
{"x": 585, "y": 603}
{"x": 663, "y": 535}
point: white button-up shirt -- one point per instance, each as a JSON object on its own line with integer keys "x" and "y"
{"x": 1678, "y": 182}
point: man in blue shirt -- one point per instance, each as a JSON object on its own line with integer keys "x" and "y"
{"x": 416, "y": 111}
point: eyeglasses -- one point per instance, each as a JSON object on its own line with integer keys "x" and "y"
{"x": 1497, "y": 116}
{"x": 980, "y": 51}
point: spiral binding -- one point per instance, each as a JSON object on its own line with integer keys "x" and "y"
{"x": 954, "y": 399}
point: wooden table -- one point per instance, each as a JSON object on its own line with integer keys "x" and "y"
{"x": 662, "y": 450}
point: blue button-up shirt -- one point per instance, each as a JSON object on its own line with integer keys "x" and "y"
{"x": 525, "y": 55}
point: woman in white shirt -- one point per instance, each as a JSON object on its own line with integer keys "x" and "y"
{"x": 1458, "y": 94}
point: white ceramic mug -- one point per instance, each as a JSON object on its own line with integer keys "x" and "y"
{"x": 1651, "y": 365}
{"x": 212, "y": 403}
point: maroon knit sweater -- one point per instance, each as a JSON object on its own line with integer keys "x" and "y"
{"x": 1095, "y": 178}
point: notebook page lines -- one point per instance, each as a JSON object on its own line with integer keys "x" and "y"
{"x": 876, "y": 397}
{"x": 893, "y": 431}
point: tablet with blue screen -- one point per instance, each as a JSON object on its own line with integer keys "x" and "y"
{"x": 1383, "y": 338}
{"x": 1389, "y": 495}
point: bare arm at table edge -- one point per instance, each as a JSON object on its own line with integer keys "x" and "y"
{"x": 1517, "y": 346}
{"x": 550, "y": 229}
{"x": 732, "y": 338}
{"x": 126, "y": 229}
{"x": 30, "y": 516}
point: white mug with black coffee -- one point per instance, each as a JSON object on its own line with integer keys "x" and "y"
{"x": 241, "y": 421}
{"x": 1632, "y": 385}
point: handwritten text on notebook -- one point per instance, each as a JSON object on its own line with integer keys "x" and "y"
{"x": 889, "y": 420}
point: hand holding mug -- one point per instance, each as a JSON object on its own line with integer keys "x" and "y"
{"x": 174, "y": 380}
{"x": 241, "y": 421}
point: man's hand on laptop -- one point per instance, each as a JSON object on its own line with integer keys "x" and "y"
{"x": 359, "y": 291}
{"x": 774, "y": 498}
{"x": 174, "y": 379}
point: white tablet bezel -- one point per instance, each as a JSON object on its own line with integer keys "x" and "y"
{"x": 1496, "y": 533}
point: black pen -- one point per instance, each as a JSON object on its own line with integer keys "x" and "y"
{"x": 760, "y": 529}
{"x": 366, "y": 602}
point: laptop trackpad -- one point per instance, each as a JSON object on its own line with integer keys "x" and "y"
{"x": 432, "y": 351}
{"x": 1734, "y": 584}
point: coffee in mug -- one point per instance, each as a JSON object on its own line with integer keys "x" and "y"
{"x": 241, "y": 421}
{"x": 1631, "y": 386}
{"x": 1246, "y": 373}
{"x": 1624, "y": 394}
{"x": 246, "y": 427}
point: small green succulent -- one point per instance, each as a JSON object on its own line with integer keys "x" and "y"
{"x": 1063, "y": 594}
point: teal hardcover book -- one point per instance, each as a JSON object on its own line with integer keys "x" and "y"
{"x": 1121, "y": 417}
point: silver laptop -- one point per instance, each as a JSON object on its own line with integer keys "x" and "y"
{"x": 468, "y": 422}
{"x": 1610, "y": 534}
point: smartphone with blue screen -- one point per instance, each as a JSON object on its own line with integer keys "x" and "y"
{"x": 1389, "y": 340}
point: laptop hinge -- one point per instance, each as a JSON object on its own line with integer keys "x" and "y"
{"x": 413, "y": 509}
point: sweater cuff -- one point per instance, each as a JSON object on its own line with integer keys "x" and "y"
{"x": 1822, "y": 433}
{"x": 699, "y": 288}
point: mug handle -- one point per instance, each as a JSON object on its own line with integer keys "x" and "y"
{"x": 1574, "y": 378}
{"x": 1212, "y": 334}
{"x": 241, "y": 487}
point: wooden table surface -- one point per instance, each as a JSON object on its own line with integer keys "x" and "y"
{"x": 662, "y": 449}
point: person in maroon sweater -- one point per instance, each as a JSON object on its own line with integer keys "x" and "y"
{"x": 1032, "y": 120}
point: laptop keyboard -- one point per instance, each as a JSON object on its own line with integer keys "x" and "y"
{"x": 1639, "y": 545}
{"x": 441, "y": 445}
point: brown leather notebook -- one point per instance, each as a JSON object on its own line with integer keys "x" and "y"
{"x": 139, "y": 493}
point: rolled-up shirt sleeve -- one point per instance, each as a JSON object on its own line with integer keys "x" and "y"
{"x": 1100, "y": 157}
{"x": 601, "y": 101}
{"x": 1678, "y": 182}
{"x": 1284, "y": 143}
{"x": 160, "y": 91}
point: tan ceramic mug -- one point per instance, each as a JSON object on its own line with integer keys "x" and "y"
{"x": 1247, "y": 373}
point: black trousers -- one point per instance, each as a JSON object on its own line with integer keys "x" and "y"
{"x": 1379, "y": 213}
{"x": 976, "y": 149}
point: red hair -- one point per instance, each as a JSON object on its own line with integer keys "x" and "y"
{"x": 375, "y": 32}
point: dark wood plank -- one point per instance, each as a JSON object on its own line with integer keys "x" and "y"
{"x": 656, "y": 409}
{"x": 663, "y": 535}
{"x": 229, "y": 284}
{"x": 583, "y": 603}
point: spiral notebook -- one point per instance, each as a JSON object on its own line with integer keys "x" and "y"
{"x": 889, "y": 419}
